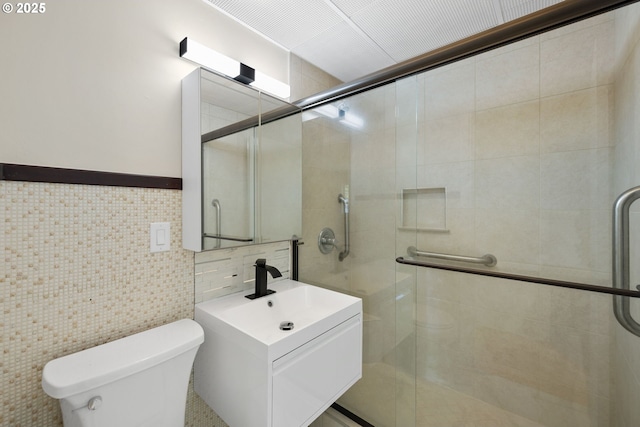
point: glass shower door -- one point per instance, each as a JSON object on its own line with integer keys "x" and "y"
{"x": 349, "y": 149}
{"x": 528, "y": 147}
{"x": 517, "y": 153}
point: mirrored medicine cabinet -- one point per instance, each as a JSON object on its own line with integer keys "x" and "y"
{"x": 241, "y": 164}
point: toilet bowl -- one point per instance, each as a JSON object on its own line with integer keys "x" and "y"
{"x": 139, "y": 380}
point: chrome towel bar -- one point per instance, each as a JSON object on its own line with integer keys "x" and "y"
{"x": 488, "y": 259}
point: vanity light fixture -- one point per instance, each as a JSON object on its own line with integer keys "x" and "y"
{"x": 221, "y": 64}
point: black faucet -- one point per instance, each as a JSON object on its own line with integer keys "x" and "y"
{"x": 261, "y": 278}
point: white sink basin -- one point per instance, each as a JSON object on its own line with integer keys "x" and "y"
{"x": 293, "y": 301}
{"x": 247, "y": 351}
{"x": 256, "y": 323}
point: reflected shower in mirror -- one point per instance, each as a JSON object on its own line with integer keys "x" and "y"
{"x": 241, "y": 173}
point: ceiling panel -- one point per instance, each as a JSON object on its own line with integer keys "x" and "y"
{"x": 406, "y": 28}
{"x": 513, "y": 9}
{"x": 350, "y": 7}
{"x": 352, "y": 38}
{"x": 287, "y": 22}
{"x": 344, "y": 53}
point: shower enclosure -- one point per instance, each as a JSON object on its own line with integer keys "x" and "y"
{"x": 516, "y": 153}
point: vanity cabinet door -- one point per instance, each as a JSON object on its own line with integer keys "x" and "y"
{"x": 309, "y": 379}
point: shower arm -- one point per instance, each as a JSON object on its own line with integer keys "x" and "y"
{"x": 345, "y": 204}
{"x": 620, "y": 270}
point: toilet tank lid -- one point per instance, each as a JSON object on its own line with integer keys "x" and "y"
{"x": 97, "y": 366}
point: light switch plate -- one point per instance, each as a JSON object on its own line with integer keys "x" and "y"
{"x": 159, "y": 237}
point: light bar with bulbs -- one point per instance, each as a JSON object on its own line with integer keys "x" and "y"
{"x": 221, "y": 64}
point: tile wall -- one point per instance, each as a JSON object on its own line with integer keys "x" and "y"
{"x": 226, "y": 271}
{"x": 522, "y": 138}
{"x": 77, "y": 273}
{"x": 306, "y": 79}
{"x": 538, "y": 144}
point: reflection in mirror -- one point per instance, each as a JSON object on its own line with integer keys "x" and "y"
{"x": 249, "y": 173}
{"x": 228, "y": 190}
{"x": 226, "y": 101}
{"x": 280, "y": 179}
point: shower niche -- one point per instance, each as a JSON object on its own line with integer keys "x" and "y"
{"x": 241, "y": 168}
{"x": 424, "y": 209}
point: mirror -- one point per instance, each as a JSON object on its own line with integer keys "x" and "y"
{"x": 242, "y": 170}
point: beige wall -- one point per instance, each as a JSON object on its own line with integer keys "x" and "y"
{"x": 77, "y": 272}
{"x": 96, "y": 85}
{"x": 307, "y": 79}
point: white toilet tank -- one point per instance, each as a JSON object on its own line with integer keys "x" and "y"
{"x": 140, "y": 380}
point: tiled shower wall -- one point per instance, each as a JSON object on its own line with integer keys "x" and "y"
{"x": 524, "y": 139}
{"x": 541, "y": 138}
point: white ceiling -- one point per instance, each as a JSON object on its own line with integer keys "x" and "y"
{"x": 352, "y": 38}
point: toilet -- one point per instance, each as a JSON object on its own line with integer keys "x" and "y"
{"x": 140, "y": 380}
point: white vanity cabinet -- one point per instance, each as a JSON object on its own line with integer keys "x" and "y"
{"x": 253, "y": 374}
{"x": 307, "y": 380}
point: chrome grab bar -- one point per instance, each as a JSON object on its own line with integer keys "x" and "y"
{"x": 621, "y": 277}
{"x": 345, "y": 203}
{"x": 519, "y": 278}
{"x": 488, "y": 259}
{"x": 216, "y": 204}
{"x": 218, "y": 235}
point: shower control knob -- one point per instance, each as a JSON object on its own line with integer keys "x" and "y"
{"x": 326, "y": 240}
{"x": 94, "y": 403}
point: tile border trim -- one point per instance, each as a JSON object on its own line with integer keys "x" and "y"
{"x": 31, "y": 173}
